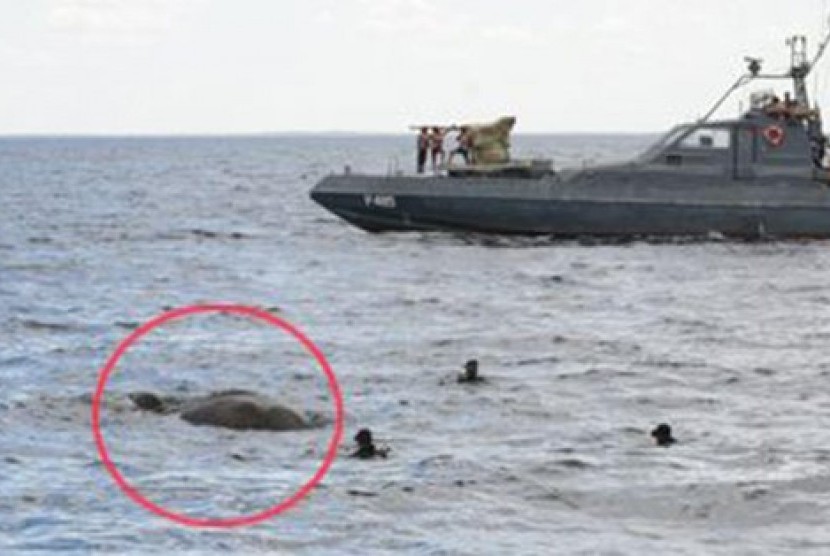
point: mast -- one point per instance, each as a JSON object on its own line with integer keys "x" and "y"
{"x": 799, "y": 68}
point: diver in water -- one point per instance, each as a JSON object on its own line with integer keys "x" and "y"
{"x": 662, "y": 435}
{"x": 366, "y": 449}
{"x": 470, "y": 374}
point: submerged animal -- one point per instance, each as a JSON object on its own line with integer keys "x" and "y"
{"x": 232, "y": 409}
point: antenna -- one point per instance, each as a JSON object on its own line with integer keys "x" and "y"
{"x": 822, "y": 46}
{"x": 800, "y": 68}
{"x": 753, "y": 65}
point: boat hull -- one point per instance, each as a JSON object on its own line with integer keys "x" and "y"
{"x": 610, "y": 205}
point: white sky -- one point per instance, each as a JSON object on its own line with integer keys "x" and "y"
{"x": 240, "y": 66}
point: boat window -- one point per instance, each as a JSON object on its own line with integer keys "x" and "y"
{"x": 673, "y": 136}
{"x": 665, "y": 141}
{"x": 707, "y": 138}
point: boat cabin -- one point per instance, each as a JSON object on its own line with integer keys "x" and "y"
{"x": 770, "y": 139}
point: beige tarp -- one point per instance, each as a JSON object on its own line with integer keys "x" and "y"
{"x": 491, "y": 142}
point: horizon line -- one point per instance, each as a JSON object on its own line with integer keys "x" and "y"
{"x": 265, "y": 134}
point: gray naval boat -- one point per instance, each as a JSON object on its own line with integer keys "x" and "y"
{"x": 762, "y": 174}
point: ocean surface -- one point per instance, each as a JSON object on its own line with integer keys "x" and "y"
{"x": 585, "y": 348}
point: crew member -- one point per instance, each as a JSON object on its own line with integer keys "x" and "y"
{"x": 436, "y": 147}
{"x": 818, "y": 147}
{"x": 423, "y": 148}
{"x": 465, "y": 144}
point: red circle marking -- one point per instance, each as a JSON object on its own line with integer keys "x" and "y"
{"x": 251, "y": 519}
{"x": 774, "y": 135}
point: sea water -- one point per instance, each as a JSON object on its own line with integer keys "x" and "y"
{"x": 585, "y": 348}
